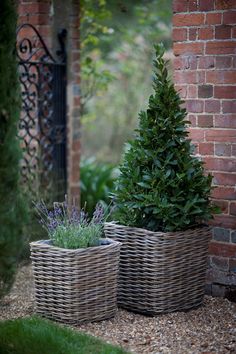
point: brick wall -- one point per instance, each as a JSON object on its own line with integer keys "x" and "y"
{"x": 49, "y": 17}
{"x": 204, "y": 36}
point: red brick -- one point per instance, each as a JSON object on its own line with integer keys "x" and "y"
{"x": 75, "y": 56}
{"x": 76, "y": 101}
{"x": 195, "y": 146}
{"x": 192, "y": 34}
{"x": 220, "y": 164}
{"x": 188, "y": 19}
{"x": 39, "y": 19}
{"x": 193, "y": 120}
{"x": 201, "y": 77}
{"x": 188, "y": 48}
{"x": 193, "y": 5}
{"x": 234, "y": 151}
{"x": 234, "y": 62}
{"x": 205, "y": 121}
{"x": 232, "y": 264}
{"x": 182, "y": 90}
{"x": 206, "y": 148}
{"x": 226, "y": 221}
{"x": 179, "y": 34}
{"x": 206, "y": 62}
{"x": 229, "y": 107}
{"x": 76, "y": 145}
{"x": 185, "y": 77}
{"x": 223, "y": 62}
{"x": 223, "y": 205}
{"x": 192, "y": 59}
{"x": 222, "y": 249}
{"x": 225, "y": 91}
{"x": 225, "y": 121}
{"x": 180, "y": 6}
{"x": 222, "y": 149}
{"x": 224, "y": 4}
{"x": 206, "y": 5}
{"x": 229, "y": 18}
{"x": 205, "y": 91}
{"x": 75, "y": 191}
{"x": 213, "y": 18}
{"x": 222, "y": 32}
{"x": 221, "y": 47}
{"x": 234, "y": 32}
{"x": 227, "y": 179}
{"x": 219, "y": 135}
{"x": 185, "y": 62}
{"x": 221, "y": 77}
{"x": 228, "y": 193}
{"x": 192, "y": 91}
{"x": 206, "y": 33}
{"x": 233, "y": 208}
{"x": 196, "y": 134}
{"x": 195, "y": 106}
{"x": 45, "y": 31}
{"x": 181, "y": 63}
{"x": 220, "y": 263}
{"x": 75, "y": 177}
{"x": 212, "y": 106}
{"x": 28, "y": 8}
{"x": 76, "y": 161}
{"x": 74, "y": 33}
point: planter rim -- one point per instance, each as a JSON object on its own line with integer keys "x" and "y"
{"x": 48, "y": 244}
{"x": 159, "y": 233}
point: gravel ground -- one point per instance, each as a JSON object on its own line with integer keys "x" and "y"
{"x": 206, "y": 330}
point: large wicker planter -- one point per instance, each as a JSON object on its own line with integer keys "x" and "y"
{"x": 75, "y": 286}
{"x": 160, "y": 272}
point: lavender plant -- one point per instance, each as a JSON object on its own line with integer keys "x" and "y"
{"x": 67, "y": 227}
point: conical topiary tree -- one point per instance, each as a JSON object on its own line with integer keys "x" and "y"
{"x": 162, "y": 186}
{"x": 12, "y": 208}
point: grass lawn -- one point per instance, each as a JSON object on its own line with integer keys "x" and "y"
{"x": 38, "y": 336}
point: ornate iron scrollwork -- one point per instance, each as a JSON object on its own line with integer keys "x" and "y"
{"x": 42, "y": 127}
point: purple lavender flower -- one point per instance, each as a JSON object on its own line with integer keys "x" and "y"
{"x": 98, "y": 215}
{"x": 52, "y": 225}
{"x": 84, "y": 218}
{"x": 57, "y": 210}
{"x": 75, "y": 215}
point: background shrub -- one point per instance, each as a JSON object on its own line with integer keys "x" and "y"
{"x": 12, "y": 204}
{"x": 96, "y": 183}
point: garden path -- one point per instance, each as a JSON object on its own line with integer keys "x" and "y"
{"x": 208, "y": 329}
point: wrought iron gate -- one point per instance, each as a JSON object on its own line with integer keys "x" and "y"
{"x": 42, "y": 127}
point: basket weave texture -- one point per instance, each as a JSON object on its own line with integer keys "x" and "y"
{"x": 160, "y": 272}
{"x": 75, "y": 286}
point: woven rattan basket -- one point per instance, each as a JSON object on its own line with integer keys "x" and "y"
{"x": 160, "y": 272}
{"x": 75, "y": 286}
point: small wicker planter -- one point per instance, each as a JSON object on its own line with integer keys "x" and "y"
{"x": 75, "y": 286}
{"x": 160, "y": 272}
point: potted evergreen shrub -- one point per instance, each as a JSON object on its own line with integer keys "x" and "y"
{"x": 75, "y": 271}
{"x": 162, "y": 198}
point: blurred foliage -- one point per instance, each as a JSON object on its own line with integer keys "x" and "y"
{"x": 125, "y": 32}
{"x": 13, "y": 206}
{"x": 96, "y": 183}
{"x": 92, "y": 26}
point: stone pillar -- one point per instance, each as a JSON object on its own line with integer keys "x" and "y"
{"x": 204, "y": 36}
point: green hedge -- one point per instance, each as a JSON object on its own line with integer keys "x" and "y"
{"x": 12, "y": 205}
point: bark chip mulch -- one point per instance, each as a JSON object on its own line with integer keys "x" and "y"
{"x": 206, "y": 330}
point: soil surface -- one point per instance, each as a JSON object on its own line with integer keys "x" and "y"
{"x": 209, "y": 329}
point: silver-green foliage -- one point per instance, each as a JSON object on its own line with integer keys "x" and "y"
{"x": 67, "y": 227}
